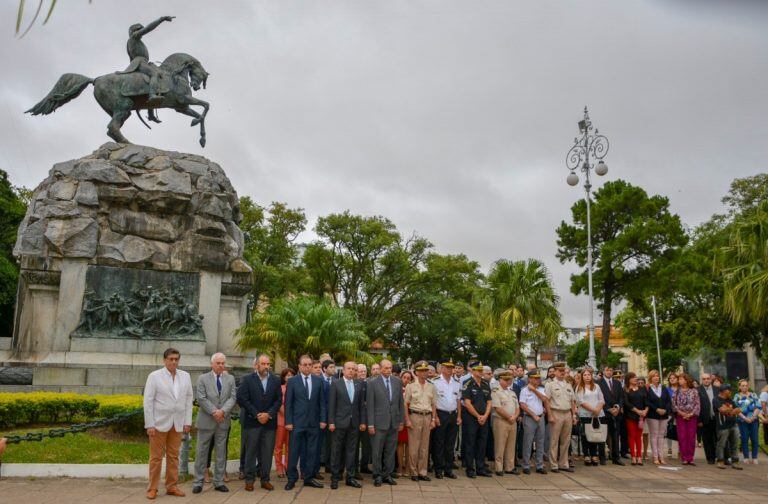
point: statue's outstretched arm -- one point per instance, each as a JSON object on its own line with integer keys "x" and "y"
{"x": 154, "y": 24}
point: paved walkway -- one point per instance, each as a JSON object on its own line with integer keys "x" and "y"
{"x": 588, "y": 484}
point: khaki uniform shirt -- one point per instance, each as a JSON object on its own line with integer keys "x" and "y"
{"x": 506, "y": 400}
{"x": 561, "y": 395}
{"x": 421, "y": 397}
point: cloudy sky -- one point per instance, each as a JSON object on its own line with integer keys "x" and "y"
{"x": 451, "y": 118}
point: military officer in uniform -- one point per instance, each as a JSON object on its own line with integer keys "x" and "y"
{"x": 504, "y": 424}
{"x": 533, "y": 402}
{"x": 476, "y": 396}
{"x": 561, "y": 414}
{"x": 449, "y": 418}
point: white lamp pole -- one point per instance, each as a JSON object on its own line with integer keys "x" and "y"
{"x": 595, "y": 146}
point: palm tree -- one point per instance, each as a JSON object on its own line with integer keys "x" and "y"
{"x": 743, "y": 264}
{"x": 306, "y": 325}
{"x": 519, "y": 300}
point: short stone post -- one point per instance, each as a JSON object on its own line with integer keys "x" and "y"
{"x": 186, "y": 441}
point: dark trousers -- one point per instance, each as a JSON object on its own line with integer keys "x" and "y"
{"x": 443, "y": 442}
{"x": 614, "y": 430}
{"x": 259, "y": 446}
{"x": 321, "y": 452}
{"x": 709, "y": 439}
{"x": 476, "y": 437}
{"x": 384, "y": 452}
{"x": 303, "y": 447}
{"x": 623, "y": 435}
{"x": 343, "y": 448}
{"x": 363, "y": 452}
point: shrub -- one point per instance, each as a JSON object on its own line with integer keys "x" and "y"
{"x": 32, "y": 407}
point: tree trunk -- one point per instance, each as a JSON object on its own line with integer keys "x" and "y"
{"x": 606, "y": 332}
{"x": 519, "y": 346}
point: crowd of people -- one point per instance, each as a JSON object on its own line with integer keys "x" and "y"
{"x": 321, "y": 422}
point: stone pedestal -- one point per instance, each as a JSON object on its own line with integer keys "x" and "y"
{"x": 125, "y": 253}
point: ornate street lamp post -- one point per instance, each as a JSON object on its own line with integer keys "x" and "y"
{"x": 587, "y": 148}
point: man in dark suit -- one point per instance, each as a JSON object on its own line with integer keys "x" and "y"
{"x": 346, "y": 417}
{"x": 363, "y": 452}
{"x": 385, "y": 415}
{"x": 260, "y": 397}
{"x": 305, "y": 416}
{"x": 707, "y": 417}
{"x": 614, "y": 398}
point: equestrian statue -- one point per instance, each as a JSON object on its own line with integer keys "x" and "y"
{"x": 141, "y": 86}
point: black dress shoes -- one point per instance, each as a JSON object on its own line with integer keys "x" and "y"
{"x": 541, "y": 471}
{"x": 514, "y": 471}
{"x": 471, "y": 475}
{"x": 197, "y": 489}
{"x": 451, "y": 475}
{"x": 425, "y": 478}
{"x": 377, "y": 482}
{"x": 499, "y": 473}
{"x": 389, "y": 480}
{"x": 414, "y": 478}
{"x": 290, "y": 485}
{"x": 568, "y": 469}
{"x": 312, "y": 482}
{"x": 354, "y": 483}
{"x": 439, "y": 475}
{"x": 221, "y": 488}
{"x": 485, "y": 474}
{"x": 526, "y": 471}
{"x": 618, "y": 462}
{"x": 334, "y": 485}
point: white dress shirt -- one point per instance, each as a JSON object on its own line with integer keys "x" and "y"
{"x": 448, "y": 393}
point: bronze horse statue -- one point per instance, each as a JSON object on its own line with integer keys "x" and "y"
{"x": 119, "y": 93}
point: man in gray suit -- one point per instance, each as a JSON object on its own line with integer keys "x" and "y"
{"x": 215, "y": 393}
{"x": 384, "y": 412}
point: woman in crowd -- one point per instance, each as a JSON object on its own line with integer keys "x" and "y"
{"x": 281, "y": 436}
{"x": 591, "y": 402}
{"x": 402, "y": 437}
{"x": 672, "y": 386}
{"x": 748, "y": 421}
{"x": 646, "y": 440}
{"x": 659, "y": 407}
{"x": 764, "y": 412}
{"x": 687, "y": 407}
{"x": 635, "y": 411}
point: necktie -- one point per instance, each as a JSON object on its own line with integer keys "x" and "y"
{"x": 350, "y": 391}
{"x": 306, "y": 385}
{"x": 389, "y": 391}
{"x": 218, "y": 383}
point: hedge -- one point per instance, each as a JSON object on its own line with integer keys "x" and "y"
{"x": 24, "y": 408}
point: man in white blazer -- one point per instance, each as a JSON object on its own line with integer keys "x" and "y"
{"x": 167, "y": 414}
{"x": 215, "y": 392}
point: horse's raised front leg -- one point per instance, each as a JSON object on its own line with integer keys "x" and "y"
{"x": 198, "y": 119}
{"x": 201, "y": 121}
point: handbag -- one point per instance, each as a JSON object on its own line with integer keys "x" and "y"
{"x": 595, "y": 431}
{"x": 671, "y": 429}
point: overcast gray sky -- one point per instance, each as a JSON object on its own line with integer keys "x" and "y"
{"x": 451, "y": 118}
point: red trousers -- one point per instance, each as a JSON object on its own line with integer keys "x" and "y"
{"x": 635, "y": 438}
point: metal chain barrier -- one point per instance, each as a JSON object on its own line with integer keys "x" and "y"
{"x": 73, "y": 429}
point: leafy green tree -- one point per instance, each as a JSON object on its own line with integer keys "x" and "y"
{"x": 743, "y": 263}
{"x": 271, "y": 249}
{"x": 365, "y": 265}
{"x": 630, "y": 230}
{"x": 441, "y": 321}
{"x": 292, "y": 327}
{"x": 519, "y": 300}
{"x": 12, "y": 210}
{"x": 576, "y": 356}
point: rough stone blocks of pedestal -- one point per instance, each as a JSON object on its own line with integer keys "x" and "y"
{"x": 59, "y": 376}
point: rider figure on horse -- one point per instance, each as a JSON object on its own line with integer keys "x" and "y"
{"x": 139, "y": 55}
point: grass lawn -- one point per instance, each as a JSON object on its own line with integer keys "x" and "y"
{"x": 97, "y": 446}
